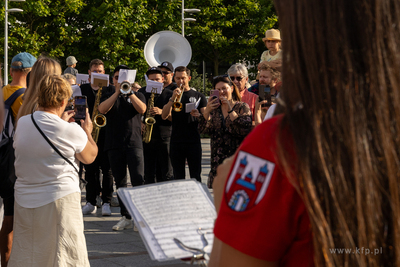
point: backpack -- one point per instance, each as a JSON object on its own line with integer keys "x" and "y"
{"x": 7, "y": 157}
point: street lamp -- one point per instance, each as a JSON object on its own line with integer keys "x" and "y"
{"x": 194, "y": 10}
{"x": 6, "y": 35}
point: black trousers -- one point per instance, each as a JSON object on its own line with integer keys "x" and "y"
{"x": 92, "y": 176}
{"x": 119, "y": 160}
{"x": 179, "y": 153}
{"x": 157, "y": 163}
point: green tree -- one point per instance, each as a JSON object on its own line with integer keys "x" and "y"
{"x": 230, "y": 31}
{"x": 43, "y": 27}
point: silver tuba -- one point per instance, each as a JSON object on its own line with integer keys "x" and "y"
{"x": 167, "y": 46}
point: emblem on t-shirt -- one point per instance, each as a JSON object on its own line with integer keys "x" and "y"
{"x": 192, "y": 99}
{"x": 248, "y": 181}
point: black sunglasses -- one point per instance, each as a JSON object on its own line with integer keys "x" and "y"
{"x": 166, "y": 72}
{"x": 116, "y": 77}
{"x": 237, "y": 78}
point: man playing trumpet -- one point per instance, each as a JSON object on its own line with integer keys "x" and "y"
{"x": 185, "y": 136}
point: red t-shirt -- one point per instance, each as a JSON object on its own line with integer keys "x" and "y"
{"x": 261, "y": 213}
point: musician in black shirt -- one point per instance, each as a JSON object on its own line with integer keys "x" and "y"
{"x": 92, "y": 171}
{"x": 185, "y": 136}
{"x": 157, "y": 163}
{"x": 123, "y": 139}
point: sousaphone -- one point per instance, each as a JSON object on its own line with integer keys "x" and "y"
{"x": 167, "y": 46}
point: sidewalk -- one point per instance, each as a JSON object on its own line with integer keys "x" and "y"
{"x": 110, "y": 248}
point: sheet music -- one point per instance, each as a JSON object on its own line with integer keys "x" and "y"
{"x": 126, "y": 75}
{"x": 154, "y": 85}
{"x": 98, "y": 78}
{"x": 82, "y": 78}
{"x": 169, "y": 210}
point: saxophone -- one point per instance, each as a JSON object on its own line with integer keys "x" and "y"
{"x": 98, "y": 119}
{"x": 149, "y": 121}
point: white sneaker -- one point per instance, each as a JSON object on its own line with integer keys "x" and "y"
{"x": 98, "y": 201}
{"x": 88, "y": 209}
{"x": 106, "y": 210}
{"x": 124, "y": 223}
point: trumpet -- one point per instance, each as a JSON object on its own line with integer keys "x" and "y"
{"x": 177, "y": 105}
{"x": 125, "y": 88}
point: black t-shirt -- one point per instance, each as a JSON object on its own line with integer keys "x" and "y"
{"x": 162, "y": 128}
{"x": 123, "y": 122}
{"x": 184, "y": 125}
{"x": 91, "y": 94}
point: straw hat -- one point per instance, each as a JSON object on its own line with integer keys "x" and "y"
{"x": 272, "y": 35}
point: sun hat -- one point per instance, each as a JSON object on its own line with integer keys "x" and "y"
{"x": 272, "y": 34}
{"x": 71, "y": 60}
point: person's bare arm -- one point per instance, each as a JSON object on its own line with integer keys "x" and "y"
{"x": 89, "y": 153}
{"x": 166, "y": 111}
{"x": 106, "y": 105}
{"x": 138, "y": 104}
{"x": 223, "y": 255}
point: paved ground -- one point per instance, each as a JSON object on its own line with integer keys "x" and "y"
{"x": 125, "y": 248}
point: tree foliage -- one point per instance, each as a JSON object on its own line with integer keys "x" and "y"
{"x": 117, "y": 30}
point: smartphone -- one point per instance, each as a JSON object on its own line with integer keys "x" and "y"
{"x": 264, "y": 93}
{"x": 215, "y": 94}
{"x": 80, "y": 107}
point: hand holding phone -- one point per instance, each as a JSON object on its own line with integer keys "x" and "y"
{"x": 264, "y": 93}
{"x": 80, "y": 108}
{"x": 214, "y": 95}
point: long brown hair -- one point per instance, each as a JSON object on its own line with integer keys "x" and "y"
{"x": 42, "y": 66}
{"x": 341, "y": 89}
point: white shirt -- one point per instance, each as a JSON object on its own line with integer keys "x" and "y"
{"x": 270, "y": 112}
{"x": 43, "y": 176}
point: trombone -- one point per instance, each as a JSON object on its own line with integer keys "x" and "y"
{"x": 177, "y": 105}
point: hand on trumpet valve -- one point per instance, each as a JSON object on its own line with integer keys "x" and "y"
{"x": 176, "y": 93}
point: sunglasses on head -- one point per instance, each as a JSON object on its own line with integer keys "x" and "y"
{"x": 221, "y": 76}
{"x": 237, "y": 78}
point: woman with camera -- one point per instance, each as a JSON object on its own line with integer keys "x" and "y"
{"x": 227, "y": 120}
{"x": 48, "y": 223}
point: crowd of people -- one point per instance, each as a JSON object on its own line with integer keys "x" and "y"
{"x": 320, "y": 174}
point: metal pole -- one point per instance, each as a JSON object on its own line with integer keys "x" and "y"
{"x": 183, "y": 18}
{"x": 204, "y": 76}
{"x": 6, "y": 43}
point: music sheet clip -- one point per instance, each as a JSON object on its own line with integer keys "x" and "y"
{"x": 201, "y": 258}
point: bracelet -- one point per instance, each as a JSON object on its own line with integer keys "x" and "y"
{"x": 129, "y": 94}
{"x": 170, "y": 99}
{"x": 230, "y": 111}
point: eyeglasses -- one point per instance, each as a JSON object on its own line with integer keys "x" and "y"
{"x": 237, "y": 78}
{"x": 166, "y": 72}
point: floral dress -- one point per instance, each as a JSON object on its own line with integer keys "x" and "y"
{"x": 226, "y": 135}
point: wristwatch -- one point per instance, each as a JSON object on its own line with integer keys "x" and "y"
{"x": 170, "y": 99}
{"x": 130, "y": 93}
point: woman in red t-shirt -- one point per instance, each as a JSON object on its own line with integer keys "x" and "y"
{"x": 318, "y": 185}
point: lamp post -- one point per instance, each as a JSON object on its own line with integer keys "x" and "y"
{"x": 194, "y": 10}
{"x": 6, "y": 36}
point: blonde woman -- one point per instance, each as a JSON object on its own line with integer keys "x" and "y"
{"x": 48, "y": 223}
{"x": 42, "y": 66}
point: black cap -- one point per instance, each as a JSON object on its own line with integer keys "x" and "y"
{"x": 121, "y": 67}
{"x": 167, "y": 65}
{"x": 153, "y": 70}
